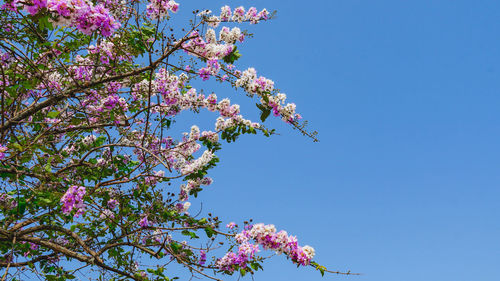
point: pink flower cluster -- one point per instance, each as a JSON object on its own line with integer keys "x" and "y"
{"x": 211, "y": 69}
{"x": 211, "y": 50}
{"x": 78, "y": 13}
{"x": 54, "y": 82}
{"x": 266, "y": 236}
{"x": 7, "y": 201}
{"x": 203, "y": 257}
{"x": 112, "y": 203}
{"x": 5, "y": 59}
{"x": 73, "y": 199}
{"x": 144, "y": 222}
{"x": 82, "y": 70}
{"x": 10, "y": 5}
{"x": 2, "y": 150}
{"x": 102, "y": 103}
{"x": 86, "y": 66}
{"x": 107, "y": 213}
{"x": 153, "y": 179}
{"x": 158, "y": 9}
{"x": 105, "y": 50}
{"x": 246, "y": 252}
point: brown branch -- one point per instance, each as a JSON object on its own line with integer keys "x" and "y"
{"x": 25, "y": 263}
{"x": 68, "y": 232}
{"x": 94, "y": 260}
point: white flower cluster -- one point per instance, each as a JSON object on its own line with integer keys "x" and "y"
{"x": 210, "y": 36}
{"x": 207, "y": 47}
{"x": 195, "y": 133}
{"x": 231, "y": 36}
{"x": 222, "y": 124}
{"x": 192, "y": 184}
{"x": 210, "y": 136}
{"x": 262, "y": 230}
{"x": 197, "y": 164}
{"x": 225, "y": 13}
{"x": 54, "y": 81}
{"x": 140, "y": 89}
{"x": 107, "y": 214}
{"x": 262, "y": 87}
{"x": 253, "y": 85}
{"x": 277, "y": 103}
{"x": 213, "y": 21}
{"x": 88, "y": 140}
{"x": 288, "y": 111}
{"x": 228, "y": 110}
{"x": 239, "y": 14}
{"x": 185, "y": 207}
{"x": 309, "y": 251}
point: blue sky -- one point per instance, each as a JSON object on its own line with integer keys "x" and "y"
{"x": 404, "y": 183}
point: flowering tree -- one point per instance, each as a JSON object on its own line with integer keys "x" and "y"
{"x": 93, "y": 180}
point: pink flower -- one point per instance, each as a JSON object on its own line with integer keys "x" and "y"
{"x": 11, "y": 6}
{"x": 112, "y": 203}
{"x": 144, "y": 222}
{"x": 73, "y": 199}
{"x": 2, "y": 150}
{"x": 203, "y": 257}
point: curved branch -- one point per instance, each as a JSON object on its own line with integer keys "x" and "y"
{"x": 25, "y": 263}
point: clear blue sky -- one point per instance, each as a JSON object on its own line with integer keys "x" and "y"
{"x": 404, "y": 184}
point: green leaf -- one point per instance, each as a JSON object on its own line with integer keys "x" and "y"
{"x": 53, "y": 114}
{"x": 233, "y": 56}
{"x": 255, "y": 265}
{"x": 209, "y": 231}
{"x": 265, "y": 98}
{"x": 191, "y": 234}
{"x": 265, "y": 114}
{"x": 51, "y": 277}
{"x": 175, "y": 247}
{"x": 21, "y": 205}
{"x": 17, "y": 146}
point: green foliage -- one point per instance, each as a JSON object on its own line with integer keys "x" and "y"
{"x": 233, "y": 56}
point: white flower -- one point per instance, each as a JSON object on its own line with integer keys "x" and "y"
{"x": 213, "y": 21}
{"x": 186, "y": 207}
{"x": 195, "y": 133}
{"x": 210, "y": 36}
{"x": 88, "y": 140}
{"x": 309, "y": 251}
{"x": 204, "y": 13}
